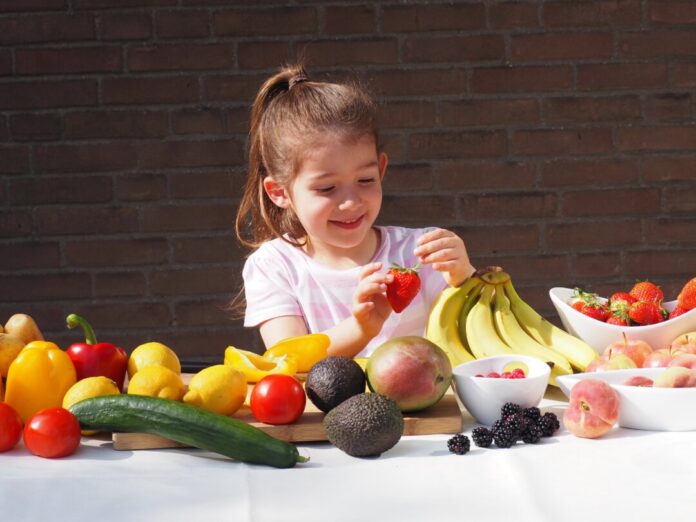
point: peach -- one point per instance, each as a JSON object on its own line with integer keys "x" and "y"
{"x": 635, "y": 349}
{"x": 593, "y": 409}
{"x": 639, "y": 380}
{"x": 610, "y": 362}
{"x": 687, "y": 360}
{"x": 685, "y": 343}
{"x": 676, "y": 377}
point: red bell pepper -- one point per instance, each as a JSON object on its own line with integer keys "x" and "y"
{"x": 92, "y": 359}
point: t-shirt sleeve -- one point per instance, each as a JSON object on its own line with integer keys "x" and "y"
{"x": 267, "y": 288}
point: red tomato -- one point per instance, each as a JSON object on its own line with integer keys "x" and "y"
{"x": 10, "y": 427}
{"x": 278, "y": 399}
{"x": 52, "y": 433}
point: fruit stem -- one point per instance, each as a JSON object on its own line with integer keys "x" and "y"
{"x": 584, "y": 406}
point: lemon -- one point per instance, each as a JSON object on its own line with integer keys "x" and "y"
{"x": 86, "y": 389}
{"x": 153, "y": 354}
{"x": 218, "y": 388}
{"x": 10, "y": 346}
{"x": 157, "y": 381}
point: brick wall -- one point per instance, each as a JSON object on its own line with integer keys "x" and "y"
{"x": 558, "y": 137}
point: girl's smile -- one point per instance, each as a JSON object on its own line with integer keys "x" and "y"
{"x": 348, "y": 224}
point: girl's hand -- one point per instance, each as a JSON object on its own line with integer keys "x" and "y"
{"x": 370, "y": 306}
{"x": 445, "y": 250}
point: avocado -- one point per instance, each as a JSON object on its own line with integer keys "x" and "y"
{"x": 332, "y": 380}
{"x": 364, "y": 425}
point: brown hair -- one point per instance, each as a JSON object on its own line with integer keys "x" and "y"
{"x": 289, "y": 111}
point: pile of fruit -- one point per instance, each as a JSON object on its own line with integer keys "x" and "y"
{"x": 642, "y": 305}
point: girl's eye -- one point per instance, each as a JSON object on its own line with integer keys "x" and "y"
{"x": 367, "y": 181}
{"x": 324, "y": 190}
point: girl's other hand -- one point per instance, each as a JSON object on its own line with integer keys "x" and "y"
{"x": 446, "y": 251}
{"x": 370, "y": 306}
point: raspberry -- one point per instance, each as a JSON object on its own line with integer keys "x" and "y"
{"x": 493, "y": 375}
{"x": 482, "y": 437}
{"x": 518, "y": 373}
{"x": 459, "y": 444}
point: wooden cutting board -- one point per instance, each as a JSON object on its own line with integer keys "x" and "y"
{"x": 443, "y": 417}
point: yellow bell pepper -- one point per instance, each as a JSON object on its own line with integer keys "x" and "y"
{"x": 255, "y": 367}
{"x": 307, "y": 350}
{"x": 39, "y": 378}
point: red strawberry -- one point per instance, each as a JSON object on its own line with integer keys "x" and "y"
{"x": 617, "y": 320}
{"x": 590, "y": 305}
{"x": 687, "y": 296}
{"x": 677, "y": 311}
{"x": 643, "y": 312}
{"x": 578, "y": 305}
{"x": 647, "y": 291}
{"x": 404, "y": 287}
{"x": 622, "y": 297}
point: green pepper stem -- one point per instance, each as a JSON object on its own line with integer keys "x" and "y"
{"x": 74, "y": 320}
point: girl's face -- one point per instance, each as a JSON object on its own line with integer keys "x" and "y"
{"x": 336, "y": 195}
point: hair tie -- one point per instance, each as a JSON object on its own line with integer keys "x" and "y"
{"x": 299, "y": 78}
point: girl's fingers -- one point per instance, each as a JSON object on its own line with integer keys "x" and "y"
{"x": 369, "y": 269}
{"x": 367, "y": 291}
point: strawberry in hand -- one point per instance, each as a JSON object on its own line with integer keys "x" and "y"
{"x": 404, "y": 288}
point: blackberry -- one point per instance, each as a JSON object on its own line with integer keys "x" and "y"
{"x": 509, "y": 408}
{"x": 483, "y": 437}
{"x": 533, "y": 413}
{"x": 459, "y": 444}
{"x": 549, "y": 424}
{"x": 504, "y": 437}
{"x": 517, "y": 422}
{"x": 532, "y": 434}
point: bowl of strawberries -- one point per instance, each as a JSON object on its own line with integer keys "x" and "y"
{"x": 640, "y": 313}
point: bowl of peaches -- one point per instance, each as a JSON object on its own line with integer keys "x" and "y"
{"x": 639, "y": 314}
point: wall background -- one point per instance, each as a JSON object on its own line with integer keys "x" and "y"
{"x": 557, "y": 137}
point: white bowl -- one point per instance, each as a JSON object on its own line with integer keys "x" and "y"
{"x": 654, "y": 409}
{"x": 484, "y": 396}
{"x": 599, "y": 335}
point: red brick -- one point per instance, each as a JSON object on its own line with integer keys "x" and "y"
{"x": 684, "y": 74}
{"x": 35, "y": 127}
{"x": 265, "y": 21}
{"x": 586, "y": 109}
{"x": 202, "y": 312}
{"x": 666, "y": 168}
{"x": 204, "y": 281}
{"x": 522, "y": 79}
{"x": 668, "y": 107}
{"x": 349, "y": 19}
{"x": 594, "y": 77}
{"x": 430, "y": 145}
{"x": 116, "y": 252}
{"x": 128, "y": 91}
{"x": 656, "y": 138}
{"x": 514, "y": 15}
{"x": 652, "y": 264}
{"x": 4, "y": 129}
{"x": 33, "y": 5}
{"x": 204, "y": 185}
{"x": 421, "y": 82}
{"x": 605, "y": 265}
{"x": 486, "y": 175}
{"x": 46, "y": 287}
{"x": 433, "y": 17}
{"x": 188, "y": 344}
{"x": 15, "y": 223}
{"x": 105, "y": 4}
{"x": 141, "y": 187}
{"x": 232, "y": 88}
{"x": 211, "y": 249}
{"x": 15, "y": 159}
{"x": 86, "y": 220}
{"x": 408, "y": 178}
{"x": 177, "y": 218}
{"x": 64, "y": 189}
{"x": 119, "y": 284}
{"x": 182, "y": 24}
{"x": 350, "y": 52}
{"x": 593, "y": 235}
{"x": 667, "y": 44}
{"x": 561, "y": 46}
{"x": 440, "y": 210}
{"x": 671, "y": 231}
{"x": 485, "y": 240}
{"x": 481, "y": 113}
{"x": 198, "y": 121}
{"x": 207, "y": 153}
{"x": 454, "y": 49}
{"x": 612, "y": 202}
{"x": 609, "y": 13}
{"x": 68, "y": 61}
{"x": 543, "y": 142}
{"x": 5, "y": 62}
{"x": 84, "y": 157}
{"x": 126, "y": 26}
{"x": 584, "y": 173}
{"x": 27, "y": 256}
{"x": 116, "y": 124}
{"x": 508, "y": 205}
{"x": 126, "y": 315}
{"x": 536, "y": 268}
{"x": 46, "y": 28}
{"x": 181, "y": 57}
{"x": 393, "y": 144}
{"x": 671, "y": 12}
{"x": 238, "y": 119}
{"x": 39, "y": 94}
{"x": 680, "y": 200}
{"x": 408, "y": 114}
{"x": 262, "y": 55}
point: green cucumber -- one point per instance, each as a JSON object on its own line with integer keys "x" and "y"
{"x": 186, "y": 424}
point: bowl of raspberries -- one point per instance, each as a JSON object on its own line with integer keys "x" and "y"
{"x": 641, "y": 314}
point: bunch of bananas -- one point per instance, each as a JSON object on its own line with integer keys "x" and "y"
{"x": 485, "y": 316}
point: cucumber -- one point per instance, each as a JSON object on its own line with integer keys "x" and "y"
{"x": 186, "y": 424}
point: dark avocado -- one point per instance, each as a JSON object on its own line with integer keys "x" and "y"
{"x": 332, "y": 380}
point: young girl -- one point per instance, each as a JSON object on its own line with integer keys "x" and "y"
{"x": 312, "y": 196}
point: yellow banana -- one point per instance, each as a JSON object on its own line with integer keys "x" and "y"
{"x": 441, "y": 327}
{"x": 578, "y": 353}
{"x": 520, "y": 342}
{"x": 480, "y": 332}
{"x": 469, "y": 303}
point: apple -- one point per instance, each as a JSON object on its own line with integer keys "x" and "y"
{"x": 685, "y": 343}
{"x": 676, "y": 377}
{"x": 634, "y": 349}
{"x": 639, "y": 380}
{"x": 593, "y": 409}
{"x": 611, "y": 362}
{"x": 659, "y": 358}
{"x": 686, "y": 360}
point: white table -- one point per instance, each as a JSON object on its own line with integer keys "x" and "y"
{"x": 627, "y": 475}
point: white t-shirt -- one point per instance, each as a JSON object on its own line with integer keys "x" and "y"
{"x": 280, "y": 279}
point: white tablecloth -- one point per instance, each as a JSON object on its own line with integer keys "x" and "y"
{"x": 627, "y": 475}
